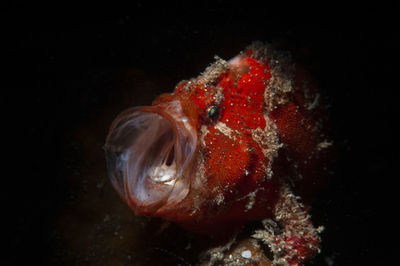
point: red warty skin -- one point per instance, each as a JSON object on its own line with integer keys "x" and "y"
{"x": 240, "y": 142}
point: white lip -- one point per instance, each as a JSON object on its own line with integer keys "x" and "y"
{"x": 148, "y": 151}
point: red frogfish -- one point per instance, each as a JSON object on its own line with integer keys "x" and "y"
{"x": 242, "y": 141}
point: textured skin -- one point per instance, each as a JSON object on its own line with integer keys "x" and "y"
{"x": 267, "y": 141}
{"x": 244, "y": 172}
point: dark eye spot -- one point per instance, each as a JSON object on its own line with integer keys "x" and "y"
{"x": 212, "y": 111}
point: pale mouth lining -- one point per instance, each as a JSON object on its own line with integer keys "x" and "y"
{"x": 148, "y": 151}
{"x": 165, "y": 172}
{"x": 162, "y": 158}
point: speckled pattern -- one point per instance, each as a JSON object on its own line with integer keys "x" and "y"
{"x": 237, "y": 158}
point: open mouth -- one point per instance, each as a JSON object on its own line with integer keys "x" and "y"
{"x": 148, "y": 152}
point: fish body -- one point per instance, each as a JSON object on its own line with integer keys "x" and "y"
{"x": 232, "y": 145}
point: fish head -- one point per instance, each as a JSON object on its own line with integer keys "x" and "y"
{"x": 208, "y": 151}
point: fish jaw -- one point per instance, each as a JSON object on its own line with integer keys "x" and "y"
{"x": 149, "y": 153}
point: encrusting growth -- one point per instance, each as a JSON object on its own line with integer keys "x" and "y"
{"x": 241, "y": 142}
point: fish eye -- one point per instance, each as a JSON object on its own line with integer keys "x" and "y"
{"x": 212, "y": 111}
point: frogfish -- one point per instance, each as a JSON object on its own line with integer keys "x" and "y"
{"x": 246, "y": 140}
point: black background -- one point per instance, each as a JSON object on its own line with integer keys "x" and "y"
{"x": 50, "y": 59}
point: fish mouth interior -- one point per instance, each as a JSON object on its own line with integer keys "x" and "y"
{"x": 162, "y": 157}
{"x": 148, "y": 151}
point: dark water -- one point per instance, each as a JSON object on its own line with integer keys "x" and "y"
{"x": 68, "y": 76}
